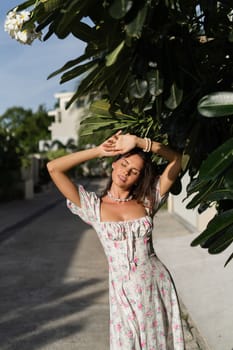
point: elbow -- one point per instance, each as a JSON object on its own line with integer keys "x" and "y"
{"x": 50, "y": 167}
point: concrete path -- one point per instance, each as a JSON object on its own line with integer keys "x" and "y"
{"x": 204, "y": 285}
{"x": 54, "y": 280}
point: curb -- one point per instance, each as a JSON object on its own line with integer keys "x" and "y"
{"x": 193, "y": 338}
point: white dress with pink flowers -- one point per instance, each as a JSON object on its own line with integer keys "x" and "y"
{"x": 144, "y": 310}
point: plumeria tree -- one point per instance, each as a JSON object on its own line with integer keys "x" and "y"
{"x": 164, "y": 69}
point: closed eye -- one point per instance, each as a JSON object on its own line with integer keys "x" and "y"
{"x": 134, "y": 171}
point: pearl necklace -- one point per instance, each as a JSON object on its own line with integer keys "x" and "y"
{"x": 118, "y": 199}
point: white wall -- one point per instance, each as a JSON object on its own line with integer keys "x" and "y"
{"x": 66, "y": 121}
{"x": 177, "y": 206}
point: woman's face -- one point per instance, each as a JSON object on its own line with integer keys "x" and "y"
{"x": 126, "y": 171}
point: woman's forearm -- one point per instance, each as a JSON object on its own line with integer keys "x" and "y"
{"x": 160, "y": 149}
{"x": 57, "y": 169}
{"x": 65, "y": 163}
{"x": 173, "y": 168}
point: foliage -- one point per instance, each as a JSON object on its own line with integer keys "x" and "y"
{"x": 94, "y": 167}
{"x": 154, "y": 62}
{"x": 87, "y": 133}
{"x": 20, "y": 132}
{"x": 26, "y": 126}
{"x": 58, "y": 147}
{"x": 216, "y": 104}
{"x": 10, "y": 164}
{"x": 50, "y": 155}
{"x": 214, "y": 183}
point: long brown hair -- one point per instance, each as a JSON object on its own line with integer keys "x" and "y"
{"x": 145, "y": 186}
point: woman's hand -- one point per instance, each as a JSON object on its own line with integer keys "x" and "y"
{"x": 126, "y": 143}
{"x": 108, "y": 147}
{"x": 118, "y": 144}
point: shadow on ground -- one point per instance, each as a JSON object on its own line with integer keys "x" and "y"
{"x": 53, "y": 282}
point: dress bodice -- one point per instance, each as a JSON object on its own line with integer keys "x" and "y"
{"x": 127, "y": 244}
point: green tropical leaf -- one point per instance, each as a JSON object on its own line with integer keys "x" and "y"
{"x": 71, "y": 16}
{"x": 112, "y": 57}
{"x": 175, "y": 97}
{"x": 138, "y": 88}
{"x": 51, "y": 5}
{"x": 119, "y": 8}
{"x": 228, "y": 260}
{"x": 219, "y": 195}
{"x": 222, "y": 242}
{"x": 69, "y": 65}
{"x": 99, "y": 122}
{"x": 218, "y": 161}
{"x": 84, "y": 85}
{"x": 102, "y": 107}
{"x": 25, "y": 5}
{"x": 155, "y": 82}
{"x": 90, "y": 82}
{"x": 204, "y": 191}
{"x": 218, "y": 223}
{"x": 217, "y": 104}
{"x": 75, "y": 72}
{"x": 83, "y": 32}
{"x": 90, "y": 128}
{"x": 228, "y": 178}
{"x": 44, "y": 22}
{"x": 119, "y": 73}
{"x": 134, "y": 28}
{"x": 230, "y": 37}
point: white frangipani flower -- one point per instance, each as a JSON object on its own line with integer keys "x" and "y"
{"x": 24, "y": 15}
{"x": 14, "y": 23}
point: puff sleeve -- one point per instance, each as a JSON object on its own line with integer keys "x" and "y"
{"x": 88, "y": 209}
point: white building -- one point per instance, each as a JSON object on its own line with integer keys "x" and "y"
{"x": 65, "y": 122}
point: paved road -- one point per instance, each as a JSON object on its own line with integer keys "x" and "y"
{"x": 54, "y": 281}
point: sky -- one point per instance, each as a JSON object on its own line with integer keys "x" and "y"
{"x": 24, "y": 68}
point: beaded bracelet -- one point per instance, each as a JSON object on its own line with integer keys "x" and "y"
{"x": 145, "y": 149}
{"x": 148, "y": 145}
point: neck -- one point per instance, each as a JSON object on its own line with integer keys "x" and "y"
{"x": 118, "y": 196}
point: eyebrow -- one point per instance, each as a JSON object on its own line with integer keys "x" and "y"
{"x": 129, "y": 163}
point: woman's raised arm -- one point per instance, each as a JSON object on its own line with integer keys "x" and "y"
{"x": 172, "y": 170}
{"x": 58, "y": 167}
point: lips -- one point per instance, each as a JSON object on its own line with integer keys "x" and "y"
{"x": 122, "y": 178}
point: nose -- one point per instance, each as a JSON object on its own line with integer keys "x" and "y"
{"x": 126, "y": 171}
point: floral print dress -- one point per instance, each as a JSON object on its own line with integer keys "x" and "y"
{"x": 144, "y": 310}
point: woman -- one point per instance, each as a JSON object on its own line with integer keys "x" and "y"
{"x": 144, "y": 310}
